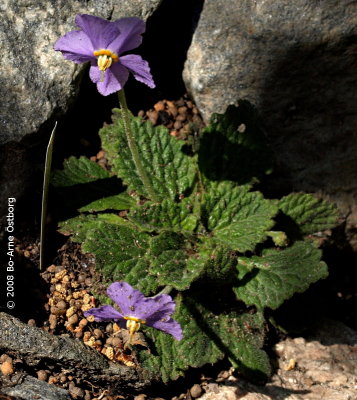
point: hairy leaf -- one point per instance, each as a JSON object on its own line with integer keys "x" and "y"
{"x": 233, "y": 146}
{"x": 78, "y": 170}
{"x": 166, "y": 215}
{"x": 310, "y": 214}
{"x": 236, "y": 217}
{"x": 120, "y": 201}
{"x": 208, "y": 337}
{"x": 174, "y": 260}
{"x": 79, "y": 226}
{"x": 170, "y": 171}
{"x": 269, "y": 280}
{"x": 120, "y": 254}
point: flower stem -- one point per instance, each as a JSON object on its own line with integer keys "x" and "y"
{"x": 134, "y": 149}
{"x": 166, "y": 290}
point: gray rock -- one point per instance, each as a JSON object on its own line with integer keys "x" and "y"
{"x": 35, "y": 345}
{"x": 36, "y": 82}
{"x": 32, "y": 388}
{"x": 296, "y": 61}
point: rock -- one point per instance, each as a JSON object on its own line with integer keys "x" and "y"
{"x": 35, "y": 345}
{"x": 318, "y": 372}
{"x": 196, "y": 391}
{"x": 294, "y": 60}
{"x": 37, "y": 84}
{"x": 32, "y": 388}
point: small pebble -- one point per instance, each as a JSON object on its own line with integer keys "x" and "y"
{"x": 178, "y": 125}
{"x": 116, "y": 341}
{"x": 141, "y": 113}
{"x": 76, "y": 392}
{"x": 42, "y": 375}
{"x": 98, "y": 333}
{"x": 196, "y": 391}
{"x": 7, "y": 368}
{"x": 140, "y": 397}
{"x": 61, "y": 305}
{"x": 160, "y": 106}
{"x": 52, "y": 380}
{"x": 31, "y": 322}
{"x": 73, "y": 319}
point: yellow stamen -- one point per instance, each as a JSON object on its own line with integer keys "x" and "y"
{"x": 105, "y": 60}
{"x": 141, "y": 321}
{"x": 132, "y": 325}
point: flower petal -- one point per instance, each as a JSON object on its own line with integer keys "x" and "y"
{"x": 169, "y": 326}
{"x": 100, "y": 31}
{"x": 114, "y": 78}
{"x": 155, "y": 308}
{"x": 126, "y": 297}
{"x": 104, "y": 313}
{"x": 75, "y": 46}
{"x": 130, "y": 34}
{"x": 139, "y": 68}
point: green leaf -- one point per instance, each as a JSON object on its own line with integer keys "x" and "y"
{"x": 269, "y": 280}
{"x": 171, "y": 172}
{"x": 207, "y": 338}
{"x": 236, "y": 217}
{"x": 82, "y": 182}
{"x": 221, "y": 263}
{"x": 166, "y": 215}
{"x": 173, "y": 259}
{"x": 309, "y": 214}
{"x": 79, "y": 226}
{"x": 122, "y": 201}
{"x": 78, "y": 170}
{"x": 120, "y": 255}
{"x": 233, "y": 146}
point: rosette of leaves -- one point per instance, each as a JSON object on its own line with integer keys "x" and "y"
{"x": 212, "y": 240}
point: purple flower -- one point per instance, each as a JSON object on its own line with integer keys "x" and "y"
{"x": 102, "y": 42}
{"x": 135, "y": 309}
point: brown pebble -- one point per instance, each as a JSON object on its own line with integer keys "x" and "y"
{"x": 63, "y": 378}
{"x": 195, "y": 110}
{"x": 160, "y": 106}
{"x": 140, "y": 397}
{"x": 73, "y": 319}
{"x": 101, "y": 154}
{"x": 196, "y": 391}
{"x": 79, "y": 334}
{"x": 97, "y": 333}
{"x": 153, "y": 116}
{"x": 81, "y": 278}
{"x": 51, "y": 269}
{"x": 82, "y": 323}
{"x": 182, "y": 110}
{"x": 109, "y": 340}
{"x": 141, "y": 113}
{"x": 177, "y": 125}
{"x": 42, "y": 375}
{"x": 61, "y": 305}
{"x": 109, "y": 328}
{"x": 56, "y": 311}
{"x": 189, "y": 104}
{"x": 7, "y": 368}
{"x": 5, "y": 357}
{"x": 76, "y": 392}
{"x": 52, "y": 380}
{"x": 116, "y": 341}
{"x": 93, "y": 158}
{"x": 31, "y": 322}
{"x": 181, "y": 117}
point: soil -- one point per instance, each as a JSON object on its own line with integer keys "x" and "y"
{"x": 55, "y": 299}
